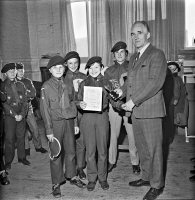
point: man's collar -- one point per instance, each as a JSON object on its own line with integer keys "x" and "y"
{"x": 143, "y": 49}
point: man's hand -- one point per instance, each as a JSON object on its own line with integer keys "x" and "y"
{"x": 76, "y": 130}
{"x": 50, "y": 137}
{"x": 128, "y": 106}
{"x": 83, "y": 105}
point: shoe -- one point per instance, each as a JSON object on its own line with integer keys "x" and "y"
{"x": 136, "y": 169}
{"x": 56, "y": 191}
{"x": 24, "y": 161}
{"x": 41, "y": 150}
{"x": 91, "y": 186}
{"x": 111, "y": 167}
{"x": 192, "y": 171}
{"x": 77, "y": 182}
{"x": 81, "y": 174}
{"x": 104, "y": 185}
{"x": 4, "y": 179}
{"x": 27, "y": 152}
{"x": 153, "y": 193}
{"x": 139, "y": 183}
{"x": 192, "y": 178}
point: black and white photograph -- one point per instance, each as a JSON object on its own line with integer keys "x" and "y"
{"x": 97, "y": 99}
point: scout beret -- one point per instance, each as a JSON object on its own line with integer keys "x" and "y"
{"x": 55, "y": 60}
{"x": 119, "y": 45}
{"x": 71, "y": 54}
{"x": 8, "y": 66}
{"x": 175, "y": 64}
{"x": 19, "y": 66}
{"x": 92, "y": 60}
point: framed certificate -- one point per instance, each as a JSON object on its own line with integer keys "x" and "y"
{"x": 93, "y": 98}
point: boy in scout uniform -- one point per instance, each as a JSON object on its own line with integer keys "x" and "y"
{"x": 94, "y": 126}
{"x": 31, "y": 121}
{"x": 116, "y": 74}
{"x": 15, "y": 109}
{"x": 75, "y": 77}
{"x": 58, "y": 111}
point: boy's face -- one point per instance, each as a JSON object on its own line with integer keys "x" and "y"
{"x": 120, "y": 55}
{"x": 57, "y": 70}
{"x": 73, "y": 64}
{"x": 20, "y": 73}
{"x": 95, "y": 70}
{"x": 11, "y": 74}
{"x": 173, "y": 69}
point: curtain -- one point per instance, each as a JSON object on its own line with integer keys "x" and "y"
{"x": 67, "y": 32}
{"x": 111, "y": 21}
{"x": 100, "y": 41}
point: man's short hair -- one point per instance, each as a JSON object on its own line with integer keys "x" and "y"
{"x": 144, "y": 23}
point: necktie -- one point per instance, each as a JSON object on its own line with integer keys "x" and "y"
{"x": 136, "y": 58}
{"x": 14, "y": 90}
{"x": 63, "y": 95}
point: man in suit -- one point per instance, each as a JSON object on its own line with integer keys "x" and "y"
{"x": 143, "y": 89}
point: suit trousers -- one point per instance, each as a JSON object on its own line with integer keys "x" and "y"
{"x": 64, "y": 131}
{"x": 115, "y": 125}
{"x": 148, "y": 138}
{"x": 14, "y": 133}
{"x": 95, "y": 128}
{"x": 31, "y": 121}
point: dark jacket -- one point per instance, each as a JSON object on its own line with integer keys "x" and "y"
{"x": 100, "y": 81}
{"x": 56, "y": 102}
{"x": 11, "y": 105}
{"x": 30, "y": 91}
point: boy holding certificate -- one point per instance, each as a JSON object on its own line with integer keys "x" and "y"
{"x": 94, "y": 123}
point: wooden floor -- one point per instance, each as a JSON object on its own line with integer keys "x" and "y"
{"x": 34, "y": 182}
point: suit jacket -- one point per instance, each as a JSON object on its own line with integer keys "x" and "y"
{"x": 145, "y": 81}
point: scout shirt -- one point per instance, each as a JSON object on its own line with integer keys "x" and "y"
{"x": 116, "y": 74}
{"x": 99, "y": 81}
{"x": 74, "y": 78}
{"x": 15, "y": 104}
{"x": 30, "y": 90}
{"x": 56, "y": 102}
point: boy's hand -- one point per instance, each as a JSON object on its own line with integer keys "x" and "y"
{"x": 18, "y": 118}
{"x": 76, "y": 130}
{"x": 119, "y": 92}
{"x": 175, "y": 102}
{"x": 103, "y": 70}
{"x": 50, "y": 137}
{"x": 83, "y": 105}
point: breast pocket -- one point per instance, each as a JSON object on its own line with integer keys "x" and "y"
{"x": 54, "y": 103}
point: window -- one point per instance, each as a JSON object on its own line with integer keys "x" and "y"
{"x": 189, "y": 24}
{"x": 79, "y": 15}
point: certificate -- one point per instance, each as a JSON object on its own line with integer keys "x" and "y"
{"x": 93, "y": 98}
